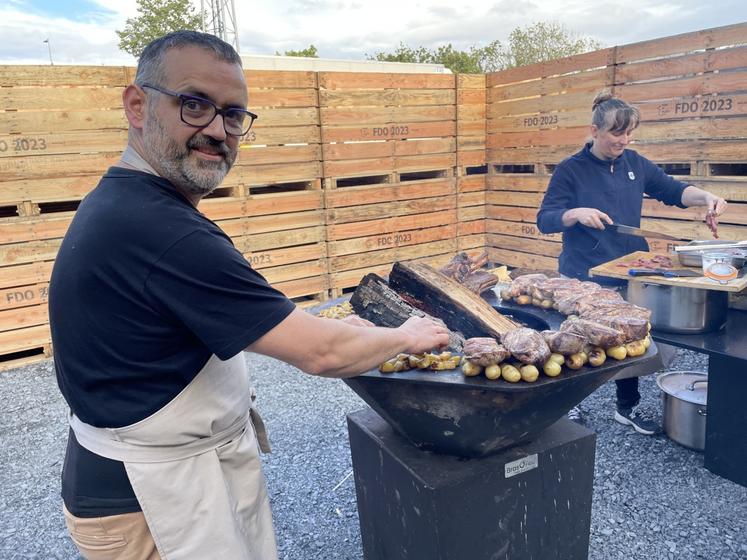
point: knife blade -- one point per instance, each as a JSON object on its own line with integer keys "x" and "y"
{"x": 630, "y": 230}
{"x": 666, "y": 272}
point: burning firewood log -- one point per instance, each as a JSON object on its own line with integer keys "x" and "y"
{"x": 375, "y": 301}
{"x": 430, "y": 291}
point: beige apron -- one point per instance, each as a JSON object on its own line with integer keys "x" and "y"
{"x": 194, "y": 466}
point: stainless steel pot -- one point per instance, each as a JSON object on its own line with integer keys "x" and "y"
{"x": 680, "y": 309}
{"x": 684, "y": 397}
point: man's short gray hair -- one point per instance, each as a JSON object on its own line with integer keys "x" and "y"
{"x": 150, "y": 68}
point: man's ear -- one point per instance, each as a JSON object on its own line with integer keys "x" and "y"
{"x": 133, "y": 98}
{"x": 593, "y": 130}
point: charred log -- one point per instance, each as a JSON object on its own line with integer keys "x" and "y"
{"x": 375, "y": 301}
{"x": 462, "y": 310}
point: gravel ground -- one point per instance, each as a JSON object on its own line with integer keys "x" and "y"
{"x": 652, "y": 498}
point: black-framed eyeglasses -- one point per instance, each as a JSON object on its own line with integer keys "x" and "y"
{"x": 198, "y": 112}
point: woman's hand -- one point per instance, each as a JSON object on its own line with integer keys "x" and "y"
{"x": 716, "y": 205}
{"x": 589, "y": 217}
{"x": 693, "y": 196}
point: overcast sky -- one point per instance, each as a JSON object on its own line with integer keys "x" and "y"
{"x": 83, "y": 31}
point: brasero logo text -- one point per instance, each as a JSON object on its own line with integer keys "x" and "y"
{"x": 522, "y": 465}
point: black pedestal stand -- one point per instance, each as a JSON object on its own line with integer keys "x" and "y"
{"x": 532, "y": 501}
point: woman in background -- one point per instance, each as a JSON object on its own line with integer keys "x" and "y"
{"x": 604, "y": 183}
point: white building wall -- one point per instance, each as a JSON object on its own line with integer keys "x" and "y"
{"x": 270, "y": 62}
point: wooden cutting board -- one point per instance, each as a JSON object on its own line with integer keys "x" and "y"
{"x": 612, "y": 270}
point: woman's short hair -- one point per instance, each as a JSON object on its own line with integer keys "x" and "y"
{"x": 150, "y": 64}
{"x": 613, "y": 114}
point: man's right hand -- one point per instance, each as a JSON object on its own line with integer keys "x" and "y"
{"x": 589, "y": 217}
{"x": 425, "y": 334}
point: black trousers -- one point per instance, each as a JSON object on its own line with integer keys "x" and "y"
{"x": 627, "y": 392}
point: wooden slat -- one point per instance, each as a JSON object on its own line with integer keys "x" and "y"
{"x": 374, "y": 80}
{"x": 34, "y": 123}
{"x": 279, "y": 79}
{"x": 384, "y": 256}
{"x": 258, "y": 155}
{"x": 522, "y": 260}
{"x": 387, "y": 226}
{"x": 402, "y": 237}
{"x": 263, "y": 259}
{"x": 63, "y": 165}
{"x": 16, "y": 75}
{"x": 707, "y": 38}
{"x": 42, "y": 144}
{"x": 60, "y": 99}
{"x": 586, "y": 81}
{"x": 708, "y": 61}
{"x": 400, "y": 130}
{"x": 596, "y": 59}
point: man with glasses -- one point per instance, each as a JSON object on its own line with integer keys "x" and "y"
{"x": 150, "y": 309}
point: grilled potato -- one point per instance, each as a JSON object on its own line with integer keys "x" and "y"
{"x": 617, "y": 352}
{"x": 471, "y": 370}
{"x": 529, "y": 373}
{"x": 493, "y": 371}
{"x": 510, "y": 373}
{"x": 551, "y": 367}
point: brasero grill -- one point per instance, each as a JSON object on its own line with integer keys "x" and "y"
{"x": 446, "y": 412}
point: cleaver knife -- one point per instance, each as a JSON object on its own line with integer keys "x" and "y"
{"x": 630, "y": 230}
{"x": 666, "y": 272}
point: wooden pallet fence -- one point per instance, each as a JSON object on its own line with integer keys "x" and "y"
{"x": 61, "y": 127}
{"x": 540, "y": 114}
{"x": 377, "y": 124}
{"x": 277, "y": 185}
{"x": 369, "y": 227}
{"x": 279, "y": 229}
{"x": 284, "y": 145}
{"x": 389, "y": 152}
{"x": 471, "y": 171}
{"x": 690, "y": 90}
{"x": 537, "y": 116}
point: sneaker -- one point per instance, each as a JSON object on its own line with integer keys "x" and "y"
{"x": 641, "y": 423}
{"x": 576, "y": 415}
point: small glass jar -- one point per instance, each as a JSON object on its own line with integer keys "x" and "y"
{"x": 718, "y": 267}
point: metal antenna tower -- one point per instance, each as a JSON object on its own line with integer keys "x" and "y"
{"x": 219, "y": 19}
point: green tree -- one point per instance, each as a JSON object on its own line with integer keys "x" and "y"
{"x": 156, "y": 18}
{"x": 534, "y": 43}
{"x": 403, "y": 53}
{"x": 309, "y": 52}
{"x": 544, "y": 41}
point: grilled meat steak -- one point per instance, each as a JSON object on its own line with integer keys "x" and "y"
{"x": 564, "y": 342}
{"x": 596, "y": 333}
{"x": 466, "y": 271}
{"x": 547, "y": 288}
{"x": 480, "y": 281}
{"x": 526, "y": 345}
{"x": 484, "y": 351}
{"x": 458, "y": 267}
{"x": 632, "y": 328}
{"x": 523, "y": 285}
{"x": 577, "y": 304}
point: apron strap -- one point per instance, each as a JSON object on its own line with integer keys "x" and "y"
{"x": 104, "y": 442}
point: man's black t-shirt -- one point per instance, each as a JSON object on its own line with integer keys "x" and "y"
{"x": 143, "y": 291}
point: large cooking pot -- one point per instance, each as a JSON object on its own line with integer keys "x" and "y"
{"x": 680, "y": 309}
{"x": 684, "y": 397}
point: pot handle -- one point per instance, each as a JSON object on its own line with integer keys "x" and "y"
{"x": 702, "y": 412}
{"x": 691, "y": 386}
